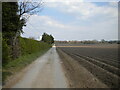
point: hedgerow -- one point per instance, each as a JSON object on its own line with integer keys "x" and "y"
{"x": 29, "y": 46}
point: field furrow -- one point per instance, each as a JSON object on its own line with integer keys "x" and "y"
{"x": 103, "y": 63}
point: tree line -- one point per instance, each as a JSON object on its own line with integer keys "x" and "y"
{"x": 90, "y": 42}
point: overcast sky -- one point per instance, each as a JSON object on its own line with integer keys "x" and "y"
{"x": 75, "y": 21}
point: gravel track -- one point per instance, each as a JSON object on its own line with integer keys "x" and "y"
{"x": 45, "y": 72}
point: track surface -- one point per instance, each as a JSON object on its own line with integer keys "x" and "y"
{"x": 45, "y": 72}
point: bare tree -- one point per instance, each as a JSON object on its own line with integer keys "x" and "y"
{"x": 27, "y": 8}
{"x": 30, "y": 7}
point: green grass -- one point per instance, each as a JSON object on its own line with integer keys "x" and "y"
{"x": 20, "y": 63}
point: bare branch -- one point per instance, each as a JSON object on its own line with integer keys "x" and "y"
{"x": 29, "y": 7}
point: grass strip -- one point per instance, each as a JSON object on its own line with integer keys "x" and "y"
{"x": 18, "y": 64}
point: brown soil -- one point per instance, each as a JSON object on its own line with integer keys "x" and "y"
{"x": 77, "y": 75}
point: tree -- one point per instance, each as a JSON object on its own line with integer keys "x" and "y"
{"x": 10, "y": 19}
{"x": 13, "y": 20}
{"x": 29, "y": 7}
{"x": 47, "y": 38}
{"x": 14, "y": 17}
{"x": 25, "y": 9}
{"x": 52, "y": 39}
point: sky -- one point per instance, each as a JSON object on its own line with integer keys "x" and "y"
{"x": 74, "y": 20}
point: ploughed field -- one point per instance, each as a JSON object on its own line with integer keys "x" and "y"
{"x": 101, "y": 60}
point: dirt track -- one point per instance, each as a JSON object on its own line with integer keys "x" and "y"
{"x": 45, "y": 72}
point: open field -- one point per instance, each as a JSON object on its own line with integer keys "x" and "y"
{"x": 101, "y": 60}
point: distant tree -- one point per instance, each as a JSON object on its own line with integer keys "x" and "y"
{"x": 47, "y": 38}
{"x": 52, "y": 39}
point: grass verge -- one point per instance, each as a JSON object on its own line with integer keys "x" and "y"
{"x": 18, "y": 64}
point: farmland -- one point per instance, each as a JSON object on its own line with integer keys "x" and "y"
{"x": 99, "y": 59}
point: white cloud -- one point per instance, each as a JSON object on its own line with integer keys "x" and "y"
{"x": 45, "y": 20}
{"x": 81, "y": 12}
{"x": 84, "y": 10}
{"x": 37, "y": 25}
